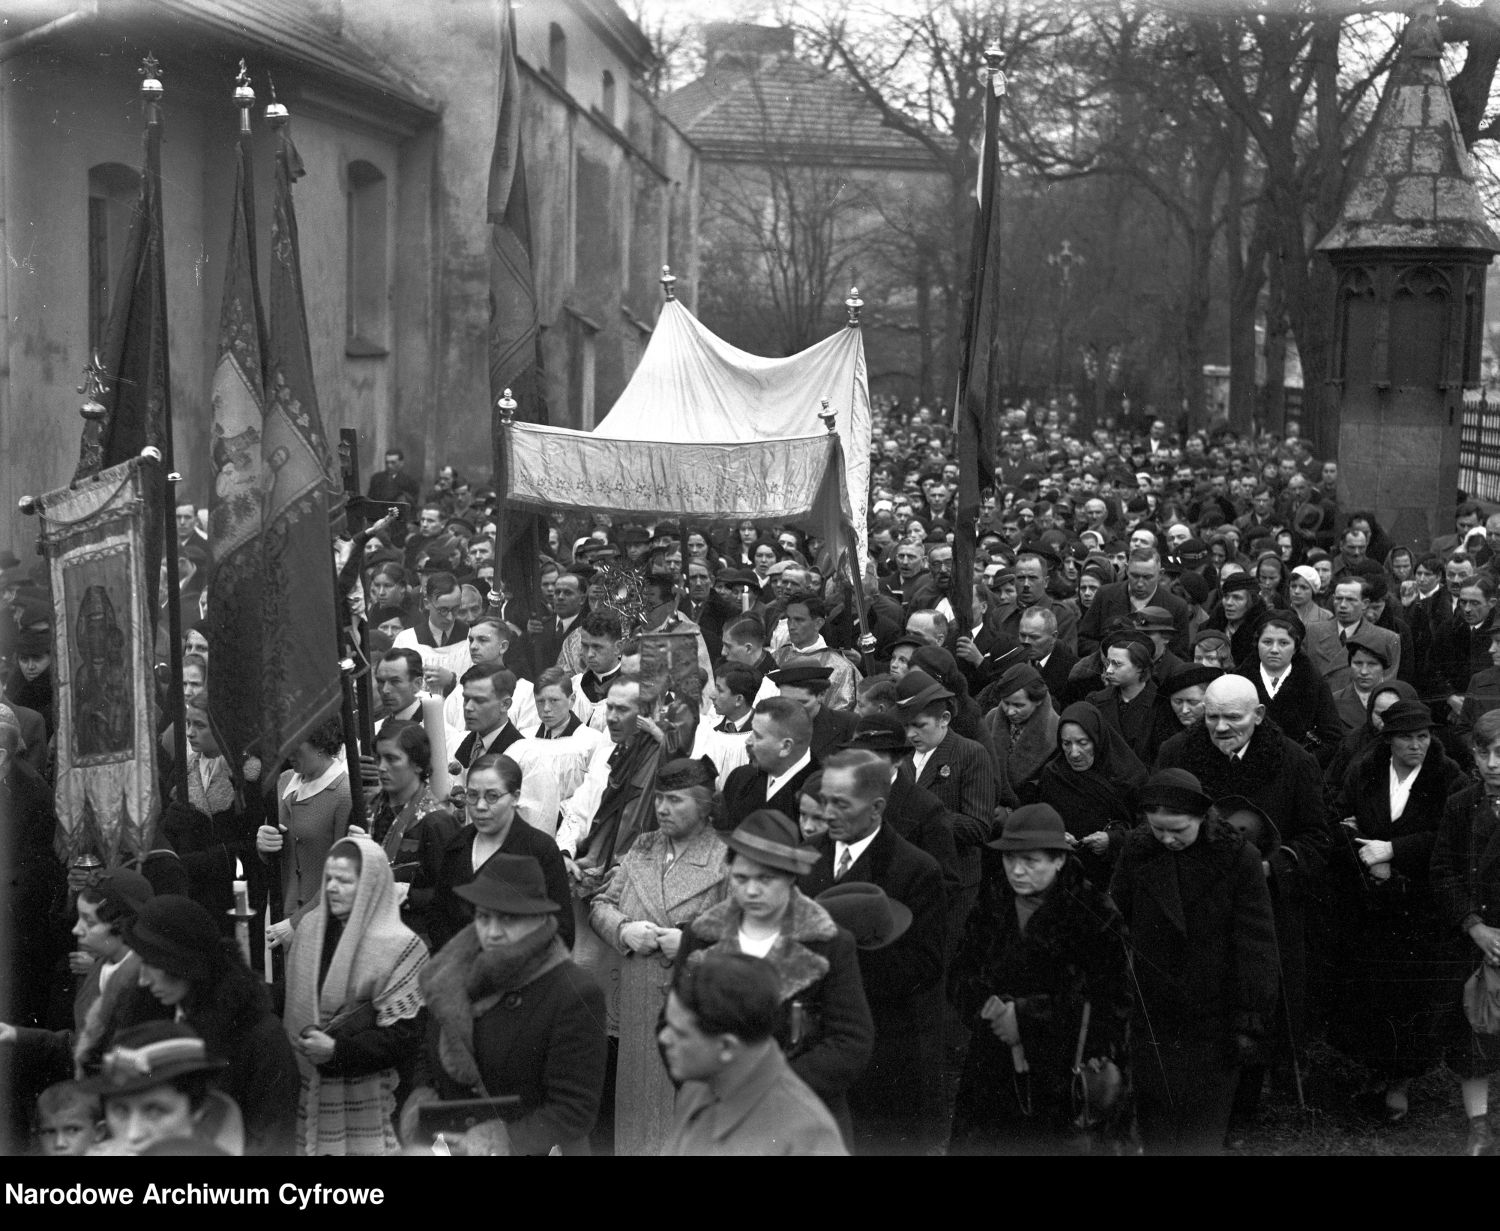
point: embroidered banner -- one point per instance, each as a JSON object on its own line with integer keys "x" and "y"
{"x": 769, "y": 479}
{"x": 94, "y": 536}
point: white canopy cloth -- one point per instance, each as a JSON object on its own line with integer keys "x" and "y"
{"x": 692, "y": 386}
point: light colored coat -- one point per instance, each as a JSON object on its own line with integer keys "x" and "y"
{"x": 1331, "y": 658}
{"x": 645, "y": 886}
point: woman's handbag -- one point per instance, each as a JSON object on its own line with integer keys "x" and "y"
{"x": 1096, "y": 1085}
{"x": 1482, "y": 999}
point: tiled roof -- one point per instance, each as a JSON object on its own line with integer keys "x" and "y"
{"x": 296, "y": 33}
{"x": 1414, "y": 187}
{"x": 788, "y": 107}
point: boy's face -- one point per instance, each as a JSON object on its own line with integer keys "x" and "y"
{"x": 68, "y": 1132}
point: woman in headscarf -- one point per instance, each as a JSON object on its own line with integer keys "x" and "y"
{"x": 353, "y": 1007}
{"x": 1290, "y": 688}
{"x": 1092, "y": 783}
{"x": 1270, "y": 574}
{"x": 667, "y": 879}
{"x": 1024, "y": 728}
{"x": 1392, "y": 801}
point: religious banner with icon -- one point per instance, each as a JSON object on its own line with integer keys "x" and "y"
{"x": 94, "y": 537}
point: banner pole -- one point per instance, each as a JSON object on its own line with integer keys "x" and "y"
{"x": 178, "y": 701}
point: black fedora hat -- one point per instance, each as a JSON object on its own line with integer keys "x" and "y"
{"x": 772, "y": 838}
{"x": 1033, "y": 827}
{"x": 509, "y": 885}
{"x": 916, "y": 690}
{"x": 863, "y": 909}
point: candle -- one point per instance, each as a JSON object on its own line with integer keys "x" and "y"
{"x": 241, "y": 890}
{"x": 265, "y": 948}
{"x": 437, "y": 739}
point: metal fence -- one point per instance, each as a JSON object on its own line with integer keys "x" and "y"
{"x": 1479, "y": 447}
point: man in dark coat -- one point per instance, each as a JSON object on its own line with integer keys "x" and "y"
{"x": 1195, "y": 906}
{"x": 913, "y": 812}
{"x": 35, "y": 878}
{"x": 1142, "y": 588}
{"x": 956, "y": 770}
{"x": 1234, "y": 751}
{"x": 903, "y": 981}
{"x": 780, "y": 762}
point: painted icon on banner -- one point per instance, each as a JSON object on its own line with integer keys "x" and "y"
{"x": 96, "y": 589}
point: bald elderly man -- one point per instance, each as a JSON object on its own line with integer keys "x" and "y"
{"x": 1237, "y": 751}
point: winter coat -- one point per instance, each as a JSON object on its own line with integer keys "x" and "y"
{"x": 1071, "y": 953}
{"x": 1202, "y": 938}
{"x": 1303, "y": 707}
{"x": 825, "y": 1027}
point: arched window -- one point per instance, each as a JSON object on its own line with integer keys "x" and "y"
{"x": 607, "y": 97}
{"x": 114, "y": 192}
{"x": 368, "y": 291}
{"x": 557, "y": 54}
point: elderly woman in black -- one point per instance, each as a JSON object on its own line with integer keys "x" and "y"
{"x": 1465, "y": 874}
{"x": 1092, "y": 783}
{"x": 511, "y": 1017}
{"x": 1193, "y": 896}
{"x": 1290, "y": 687}
{"x": 1041, "y": 978}
{"x": 1392, "y": 801}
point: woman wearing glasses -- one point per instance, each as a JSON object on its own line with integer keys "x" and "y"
{"x": 495, "y": 824}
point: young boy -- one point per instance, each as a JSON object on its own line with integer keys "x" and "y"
{"x": 68, "y": 1119}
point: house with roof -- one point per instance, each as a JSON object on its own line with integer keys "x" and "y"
{"x": 393, "y": 108}
{"x": 807, "y": 191}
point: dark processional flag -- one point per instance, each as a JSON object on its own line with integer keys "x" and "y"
{"x": 273, "y": 657}
{"x": 978, "y": 399}
{"x": 514, "y": 360}
{"x": 303, "y": 502}
{"x": 235, "y": 517}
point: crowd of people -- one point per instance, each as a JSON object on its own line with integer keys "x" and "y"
{"x": 1195, "y": 780}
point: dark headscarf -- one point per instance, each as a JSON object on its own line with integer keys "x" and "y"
{"x": 1102, "y": 795}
